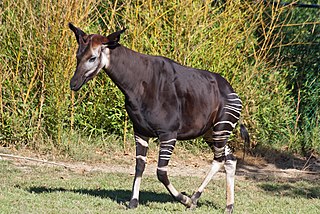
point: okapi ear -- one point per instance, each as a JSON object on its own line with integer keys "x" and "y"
{"x": 115, "y": 37}
{"x": 77, "y": 32}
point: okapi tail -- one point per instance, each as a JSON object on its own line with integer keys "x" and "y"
{"x": 245, "y": 136}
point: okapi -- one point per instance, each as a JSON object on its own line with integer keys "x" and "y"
{"x": 168, "y": 101}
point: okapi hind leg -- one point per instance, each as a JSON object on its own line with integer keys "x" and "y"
{"x": 217, "y": 140}
{"x": 230, "y": 168}
{"x": 141, "y": 158}
{"x": 229, "y": 161}
{"x": 215, "y": 167}
{"x": 166, "y": 149}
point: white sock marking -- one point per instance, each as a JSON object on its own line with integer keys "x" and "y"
{"x": 136, "y": 187}
{"x": 215, "y": 167}
{"x": 173, "y": 190}
{"x": 230, "y": 168}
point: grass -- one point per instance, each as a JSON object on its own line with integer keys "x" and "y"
{"x": 39, "y": 189}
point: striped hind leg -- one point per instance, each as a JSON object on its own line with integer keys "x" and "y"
{"x": 222, "y": 156}
{"x": 217, "y": 139}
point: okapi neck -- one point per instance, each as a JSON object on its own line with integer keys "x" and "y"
{"x": 127, "y": 69}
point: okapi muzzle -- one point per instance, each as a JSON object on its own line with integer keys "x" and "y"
{"x": 82, "y": 76}
{"x": 93, "y": 54}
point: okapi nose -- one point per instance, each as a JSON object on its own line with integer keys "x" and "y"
{"x": 73, "y": 85}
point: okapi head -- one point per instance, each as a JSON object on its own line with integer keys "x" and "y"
{"x": 93, "y": 54}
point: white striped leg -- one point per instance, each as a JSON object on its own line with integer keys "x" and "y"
{"x": 141, "y": 158}
{"x": 215, "y": 167}
{"x": 166, "y": 149}
{"x": 230, "y": 167}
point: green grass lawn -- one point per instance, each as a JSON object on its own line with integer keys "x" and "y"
{"x": 36, "y": 189}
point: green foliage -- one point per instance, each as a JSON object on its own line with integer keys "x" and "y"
{"x": 298, "y": 49}
{"x": 36, "y": 60}
{"x": 100, "y": 108}
{"x": 234, "y": 39}
{"x": 274, "y": 110}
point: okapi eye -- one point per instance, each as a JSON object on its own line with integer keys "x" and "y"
{"x": 92, "y": 59}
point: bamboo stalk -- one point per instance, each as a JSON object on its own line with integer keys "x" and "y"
{"x": 1, "y": 103}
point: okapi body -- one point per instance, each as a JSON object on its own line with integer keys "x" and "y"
{"x": 168, "y": 101}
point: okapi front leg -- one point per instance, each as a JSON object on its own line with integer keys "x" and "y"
{"x": 141, "y": 158}
{"x": 166, "y": 149}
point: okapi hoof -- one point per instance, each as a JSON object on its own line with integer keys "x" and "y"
{"x": 133, "y": 203}
{"x": 229, "y": 209}
{"x": 185, "y": 200}
{"x": 192, "y": 207}
{"x": 194, "y": 199}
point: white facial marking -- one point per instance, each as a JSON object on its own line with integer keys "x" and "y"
{"x": 105, "y": 57}
{"x": 90, "y": 72}
{"x": 92, "y": 66}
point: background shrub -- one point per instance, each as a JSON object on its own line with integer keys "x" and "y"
{"x": 246, "y": 42}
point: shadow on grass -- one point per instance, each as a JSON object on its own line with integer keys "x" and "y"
{"x": 282, "y": 173}
{"x": 269, "y": 164}
{"x": 292, "y": 190}
{"x": 119, "y": 196}
{"x": 280, "y": 159}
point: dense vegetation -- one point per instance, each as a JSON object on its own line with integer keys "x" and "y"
{"x": 270, "y": 54}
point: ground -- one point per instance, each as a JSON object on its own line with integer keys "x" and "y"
{"x": 275, "y": 166}
{"x": 272, "y": 183}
